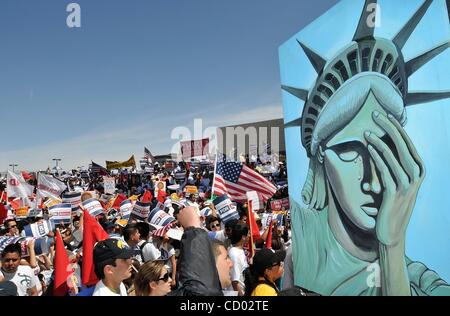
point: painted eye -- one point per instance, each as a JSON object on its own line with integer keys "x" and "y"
{"x": 348, "y": 155}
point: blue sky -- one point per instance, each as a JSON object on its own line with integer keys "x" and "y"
{"x": 134, "y": 71}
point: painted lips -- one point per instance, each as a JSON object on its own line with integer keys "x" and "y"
{"x": 371, "y": 211}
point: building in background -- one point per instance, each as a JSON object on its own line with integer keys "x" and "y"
{"x": 258, "y": 139}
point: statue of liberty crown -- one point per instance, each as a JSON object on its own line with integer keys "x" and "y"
{"x": 365, "y": 53}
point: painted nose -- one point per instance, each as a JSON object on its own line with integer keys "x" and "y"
{"x": 374, "y": 185}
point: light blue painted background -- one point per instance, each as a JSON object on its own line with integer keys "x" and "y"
{"x": 428, "y": 235}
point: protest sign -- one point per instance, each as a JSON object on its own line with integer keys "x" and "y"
{"x": 141, "y": 210}
{"x": 280, "y": 204}
{"x": 22, "y": 212}
{"x": 194, "y": 148}
{"x": 109, "y": 185}
{"x": 38, "y": 229}
{"x": 125, "y": 209}
{"x": 159, "y": 217}
{"x": 74, "y": 198}
{"x": 160, "y": 186}
{"x": 93, "y": 206}
{"x": 226, "y": 209}
{"x": 61, "y": 213}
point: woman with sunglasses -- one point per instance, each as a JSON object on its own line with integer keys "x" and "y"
{"x": 213, "y": 223}
{"x": 267, "y": 268}
{"x": 153, "y": 279}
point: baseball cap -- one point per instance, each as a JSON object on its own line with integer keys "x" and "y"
{"x": 111, "y": 249}
{"x": 266, "y": 258}
{"x": 8, "y": 288}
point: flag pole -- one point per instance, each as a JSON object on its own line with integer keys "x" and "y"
{"x": 250, "y": 216}
{"x": 214, "y": 177}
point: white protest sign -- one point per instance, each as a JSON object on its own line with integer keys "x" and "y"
{"x": 61, "y": 213}
{"x": 109, "y": 185}
{"x": 141, "y": 210}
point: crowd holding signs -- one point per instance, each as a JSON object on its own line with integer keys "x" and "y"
{"x": 129, "y": 233}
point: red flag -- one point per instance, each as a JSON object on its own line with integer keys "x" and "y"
{"x": 62, "y": 267}
{"x": 161, "y": 196}
{"x": 147, "y": 197}
{"x": 92, "y": 233}
{"x": 254, "y": 231}
{"x": 3, "y": 213}
{"x": 26, "y": 175}
{"x": 119, "y": 199}
{"x": 14, "y": 203}
{"x": 269, "y": 236}
{"x": 252, "y": 222}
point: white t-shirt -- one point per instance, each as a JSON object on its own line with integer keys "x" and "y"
{"x": 23, "y": 278}
{"x": 219, "y": 235}
{"x": 166, "y": 254}
{"x": 237, "y": 255}
{"x": 102, "y": 290}
{"x": 149, "y": 251}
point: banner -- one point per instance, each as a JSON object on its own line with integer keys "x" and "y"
{"x": 7, "y": 240}
{"x": 16, "y": 186}
{"x": 22, "y": 212}
{"x": 159, "y": 217}
{"x": 141, "y": 210}
{"x": 38, "y": 229}
{"x": 191, "y": 189}
{"x": 227, "y": 211}
{"x": 194, "y": 148}
{"x": 51, "y": 202}
{"x": 126, "y": 208}
{"x": 74, "y": 198}
{"x": 61, "y": 213}
{"x": 124, "y": 164}
{"x": 48, "y": 186}
{"x": 279, "y": 205}
{"x": 93, "y": 206}
{"x": 109, "y": 185}
{"x": 149, "y": 169}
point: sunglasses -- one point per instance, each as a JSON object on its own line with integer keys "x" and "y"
{"x": 165, "y": 277}
{"x": 12, "y": 226}
{"x": 215, "y": 225}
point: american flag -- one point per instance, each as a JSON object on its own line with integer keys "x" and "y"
{"x": 148, "y": 155}
{"x": 236, "y": 179}
{"x": 163, "y": 230}
{"x": 97, "y": 169}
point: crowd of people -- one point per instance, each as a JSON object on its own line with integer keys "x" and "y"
{"x": 194, "y": 252}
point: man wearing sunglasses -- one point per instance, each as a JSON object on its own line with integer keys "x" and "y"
{"x": 11, "y": 228}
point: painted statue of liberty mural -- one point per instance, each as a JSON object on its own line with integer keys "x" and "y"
{"x": 352, "y": 210}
